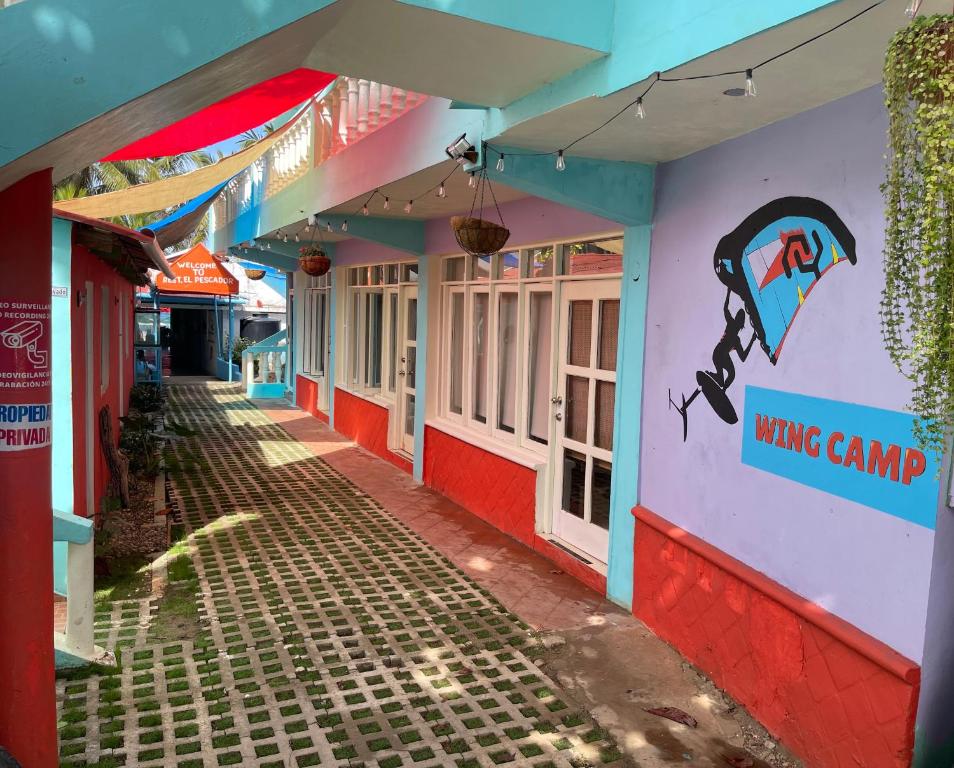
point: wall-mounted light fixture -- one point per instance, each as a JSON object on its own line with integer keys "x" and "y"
{"x": 460, "y": 150}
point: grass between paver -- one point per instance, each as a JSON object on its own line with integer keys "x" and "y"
{"x": 305, "y": 627}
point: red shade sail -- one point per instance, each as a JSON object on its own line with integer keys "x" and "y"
{"x": 229, "y": 117}
{"x": 198, "y": 271}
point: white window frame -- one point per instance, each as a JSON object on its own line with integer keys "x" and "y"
{"x": 316, "y": 298}
{"x": 519, "y": 441}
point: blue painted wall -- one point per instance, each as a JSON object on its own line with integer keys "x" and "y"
{"x": 62, "y": 429}
{"x": 634, "y": 292}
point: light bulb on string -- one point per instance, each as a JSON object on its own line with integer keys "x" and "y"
{"x": 252, "y": 242}
{"x": 297, "y": 238}
{"x": 408, "y": 206}
{"x": 472, "y": 181}
{"x": 750, "y": 89}
{"x": 640, "y": 112}
{"x": 364, "y": 209}
{"x": 500, "y": 163}
{"x": 441, "y": 192}
{"x": 330, "y": 228}
{"x": 311, "y": 219}
{"x": 344, "y": 225}
{"x": 387, "y": 203}
{"x": 284, "y": 238}
{"x": 560, "y": 162}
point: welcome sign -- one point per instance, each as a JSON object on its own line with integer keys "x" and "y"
{"x": 868, "y": 455}
{"x": 198, "y": 271}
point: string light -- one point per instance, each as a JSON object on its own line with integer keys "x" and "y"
{"x": 560, "y": 162}
{"x": 472, "y": 182}
{"x": 364, "y": 210}
{"x": 297, "y": 238}
{"x": 640, "y": 112}
{"x": 329, "y": 227}
{"x": 387, "y": 203}
{"x": 311, "y": 220}
{"x": 500, "y": 163}
{"x": 284, "y": 238}
{"x": 344, "y": 225}
{"x": 252, "y": 242}
{"x": 750, "y": 84}
{"x": 408, "y": 206}
{"x": 441, "y": 192}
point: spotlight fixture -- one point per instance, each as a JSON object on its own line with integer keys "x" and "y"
{"x": 460, "y": 150}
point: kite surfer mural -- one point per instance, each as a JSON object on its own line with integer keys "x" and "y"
{"x": 769, "y": 265}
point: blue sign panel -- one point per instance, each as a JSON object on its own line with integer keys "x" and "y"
{"x": 867, "y": 455}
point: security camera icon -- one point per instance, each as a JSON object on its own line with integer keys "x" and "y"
{"x": 26, "y": 334}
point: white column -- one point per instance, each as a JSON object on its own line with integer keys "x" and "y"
{"x": 363, "y": 89}
{"x": 385, "y": 103}
{"x": 79, "y": 602}
{"x": 374, "y": 105}
{"x": 352, "y": 108}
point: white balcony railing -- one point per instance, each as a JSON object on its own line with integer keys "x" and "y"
{"x": 349, "y": 110}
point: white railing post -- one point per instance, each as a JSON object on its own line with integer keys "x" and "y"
{"x": 374, "y": 105}
{"x": 385, "y": 103}
{"x": 352, "y": 110}
{"x": 363, "y": 93}
{"x": 79, "y": 601}
{"x": 397, "y": 101}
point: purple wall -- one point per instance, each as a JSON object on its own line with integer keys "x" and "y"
{"x": 353, "y": 252}
{"x": 866, "y": 566}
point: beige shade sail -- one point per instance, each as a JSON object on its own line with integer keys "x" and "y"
{"x": 160, "y": 195}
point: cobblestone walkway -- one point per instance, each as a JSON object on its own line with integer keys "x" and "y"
{"x": 329, "y": 633}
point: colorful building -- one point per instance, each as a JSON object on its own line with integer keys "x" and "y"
{"x": 671, "y": 380}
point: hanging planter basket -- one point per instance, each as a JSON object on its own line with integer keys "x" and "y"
{"x": 313, "y": 261}
{"x": 254, "y": 274}
{"x": 479, "y": 237}
{"x": 475, "y": 234}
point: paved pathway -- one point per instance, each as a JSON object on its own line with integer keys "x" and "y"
{"x": 331, "y": 634}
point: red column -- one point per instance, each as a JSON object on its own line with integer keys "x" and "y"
{"x": 27, "y": 697}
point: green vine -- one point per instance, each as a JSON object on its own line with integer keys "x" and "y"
{"x": 917, "y": 305}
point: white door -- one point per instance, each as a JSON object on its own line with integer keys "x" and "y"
{"x": 407, "y": 368}
{"x": 583, "y": 414}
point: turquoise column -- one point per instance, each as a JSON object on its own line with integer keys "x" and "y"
{"x": 420, "y": 381}
{"x": 290, "y": 335}
{"x": 634, "y": 293}
{"x": 332, "y": 376}
{"x": 228, "y": 352}
{"x": 62, "y": 388}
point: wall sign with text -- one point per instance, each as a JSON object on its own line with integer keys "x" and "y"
{"x": 868, "y": 455}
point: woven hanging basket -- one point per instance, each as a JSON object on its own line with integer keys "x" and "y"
{"x": 255, "y": 274}
{"x": 479, "y": 237}
{"x": 313, "y": 261}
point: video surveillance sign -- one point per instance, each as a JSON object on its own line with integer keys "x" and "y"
{"x": 24, "y": 370}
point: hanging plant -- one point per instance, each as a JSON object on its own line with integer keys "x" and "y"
{"x": 917, "y": 306}
{"x": 254, "y": 274}
{"x": 312, "y": 260}
{"x": 476, "y": 235}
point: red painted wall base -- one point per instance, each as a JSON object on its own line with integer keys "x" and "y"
{"x": 306, "y": 397}
{"x": 835, "y": 695}
{"x": 367, "y": 424}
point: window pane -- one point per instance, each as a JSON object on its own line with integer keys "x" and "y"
{"x": 539, "y": 362}
{"x": 377, "y": 275}
{"x": 481, "y": 301}
{"x": 409, "y": 415}
{"x": 574, "y": 483}
{"x": 318, "y": 343}
{"x": 605, "y": 405}
{"x": 609, "y": 333}
{"x": 481, "y": 267}
{"x": 411, "y": 331}
{"x": 508, "y": 265}
{"x": 540, "y": 262}
{"x": 409, "y": 273}
{"x": 507, "y": 362}
{"x": 353, "y": 276}
{"x": 600, "y": 493}
{"x": 594, "y": 258}
{"x": 355, "y": 342}
{"x": 392, "y": 339}
{"x": 457, "y": 353}
{"x": 373, "y": 326}
{"x": 411, "y": 368}
{"x": 454, "y": 269}
{"x": 392, "y": 273}
{"x": 581, "y": 332}
{"x": 577, "y": 404}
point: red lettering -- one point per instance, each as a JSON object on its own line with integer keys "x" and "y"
{"x": 780, "y": 440}
{"x": 855, "y": 453}
{"x": 812, "y": 448}
{"x": 833, "y": 440}
{"x": 914, "y": 465}
{"x": 795, "y": 436}
{"x": 883, "y": 462}
{"x": 764, "y": 428}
